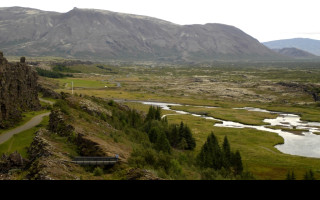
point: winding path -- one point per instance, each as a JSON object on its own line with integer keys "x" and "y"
{"x": 30, "y": 124}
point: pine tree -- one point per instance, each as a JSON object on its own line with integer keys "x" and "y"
{"x": 165, "y": 121}
{"x": 154, "y": 134}
{"x": 162, "y": 143}
{"x": 226, "y": 153}
{"x": 188, "y": 137}
{"x": 182, "y": 144}
{"x": 309, "y": 175}
{"x": 151, "y": 113}
{"x": 157, "y": 114}
{"x": 210, "y": 155}
{"x": 173, "y": 135}
{"x": 237, "y": 166}
{"x": 181, "y": 130}
{"x": 291, "y": 176}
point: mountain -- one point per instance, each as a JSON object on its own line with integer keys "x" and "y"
{"x": 92, "y": 34}
{"x": 309, "y": 45}
{"x": 295, "y": 53}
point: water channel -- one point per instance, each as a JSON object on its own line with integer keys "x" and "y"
{"x": 306, "y": 144}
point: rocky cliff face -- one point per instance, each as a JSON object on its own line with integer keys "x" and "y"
{"x": 18, "y": 91}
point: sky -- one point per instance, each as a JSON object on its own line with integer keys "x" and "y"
{"x": 265, "y": 20}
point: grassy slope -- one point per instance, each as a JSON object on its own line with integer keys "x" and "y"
{"x": 19, "y": 142}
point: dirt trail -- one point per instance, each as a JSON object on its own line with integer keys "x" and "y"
{"x": 30, "y": 124}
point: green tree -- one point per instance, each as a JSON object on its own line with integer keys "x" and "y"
{"x": 154, "y": 113}
{"x": 210, "y": 155}
{"x": 237, "y": 163}
{"x": 309, "y": 175}
{"x": 162, "y": 143}
{"x": 226, "y": 152}
{"x": 157, "y": 114}
{"x": 290, "y": 176}
{"x": 151, "y": 113}
{"x": 181, "y": 130}
{"x": 173, "y": 135}
{"x": 182, "y": 144}
{"x": 187, "y": 135}
{"x": 154, "y": 134}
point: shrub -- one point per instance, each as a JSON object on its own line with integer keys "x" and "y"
{"x": 98, "y": 171}
{"x": 62, "y": 105}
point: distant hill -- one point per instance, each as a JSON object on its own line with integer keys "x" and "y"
{"x": 309, "y": 45}
{"x": 296, "y": 53}
{"x": 90, "y": 34}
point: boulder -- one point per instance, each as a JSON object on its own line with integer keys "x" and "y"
{"x": 12, "y": 161}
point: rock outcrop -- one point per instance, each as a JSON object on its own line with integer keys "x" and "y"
{"x": 310, "y": 89}
{"x": 18, "y": 91}
{"x": 57, "y": 124}
{"x": 11, "y": 162}
{"x": 141, "y": 174}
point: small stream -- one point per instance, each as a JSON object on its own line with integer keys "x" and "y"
{"x": 306, "y": 144}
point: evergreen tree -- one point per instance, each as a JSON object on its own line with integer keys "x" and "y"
{"x": 291, "y": 176}
{"x": 181, "y": 130}
{"x": 210, "y": 155}
{"x": 134, "y": 118}
{"x": 226, "y": 151}
{"x": 162, "y": 143}
{"x": 309, "y": 175}
{"x": 237, "y": 165}
{"x": 173, "y": 135}
{"x": 154, "y": 113}
{"x": 188, "y": 137}
{"x": 183, "y": 144}
{"x": 165, "y": 121}
{"x": 157, "y": 113}
{"x": 151, "y": 113}
{"x": 154, "y": 134}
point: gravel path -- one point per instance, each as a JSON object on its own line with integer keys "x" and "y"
{"x": 30, "y": 124}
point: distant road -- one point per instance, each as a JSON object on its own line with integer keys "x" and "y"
{"x": 30, "y": 124}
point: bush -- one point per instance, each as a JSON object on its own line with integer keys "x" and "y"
{"x": 62, "y": 105}
{"x": 175, "y": 168}
{"x": 98, "y": 171}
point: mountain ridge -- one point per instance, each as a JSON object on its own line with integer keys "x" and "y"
{"x": 93, "y": 34}
{"x": 296, "y": 53}
{"x": 306, "y": 44}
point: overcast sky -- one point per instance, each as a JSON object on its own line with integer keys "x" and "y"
{"x": 264, "y": 20}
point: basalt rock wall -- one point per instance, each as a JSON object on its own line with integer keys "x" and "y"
{"x": 18, "y": 91}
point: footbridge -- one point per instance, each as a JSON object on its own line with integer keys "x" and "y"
{"x": 96, "y": 160}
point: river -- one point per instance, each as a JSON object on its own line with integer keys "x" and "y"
{"x": 306, "y": 144}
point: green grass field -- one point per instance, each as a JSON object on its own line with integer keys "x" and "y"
{"x": 84, "y": 83}
{"x": 19, "y": 142}
{"x": 26, "y": 116}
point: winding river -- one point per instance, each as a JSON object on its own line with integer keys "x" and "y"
{"x": 306, "y": 144}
